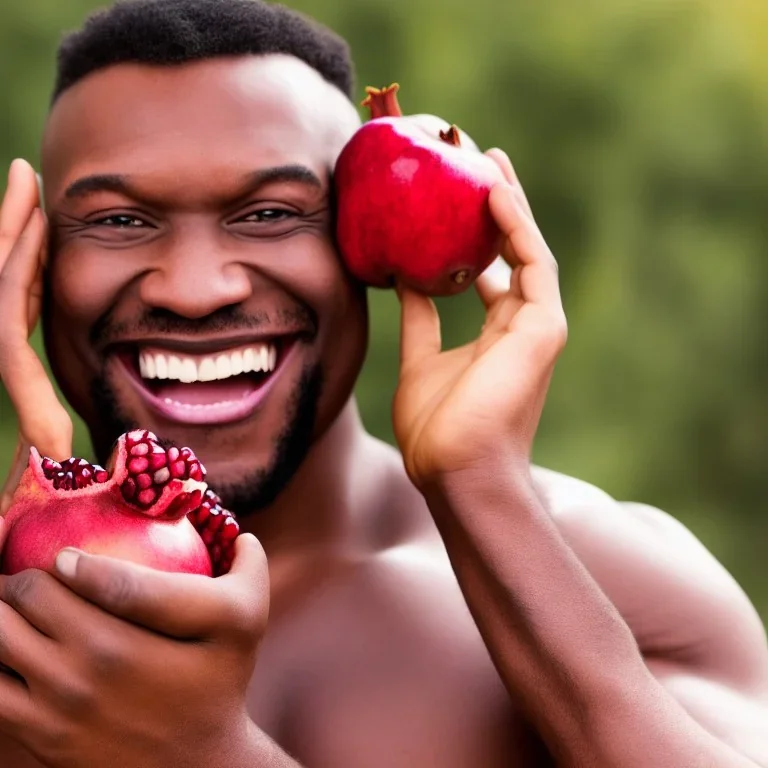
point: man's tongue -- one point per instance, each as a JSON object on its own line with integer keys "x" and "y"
{"x": 206, "y": 392}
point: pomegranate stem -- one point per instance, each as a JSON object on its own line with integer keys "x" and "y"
{"x": 382, "y": 102}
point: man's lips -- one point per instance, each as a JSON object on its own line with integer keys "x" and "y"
{"x": 206, "y": 383}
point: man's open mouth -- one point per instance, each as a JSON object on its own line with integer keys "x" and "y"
{"x": 212, "y": 387}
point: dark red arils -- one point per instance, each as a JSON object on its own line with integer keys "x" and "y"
{"x": 218, "y": 528}
{"x": 73, "y": 474}
{"x": 150, "y": 468}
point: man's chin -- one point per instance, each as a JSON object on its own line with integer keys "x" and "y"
{"x": 246, "y": 473}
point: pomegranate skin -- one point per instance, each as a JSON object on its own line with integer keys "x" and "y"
{"x": 413, "y": 207}
{"x": 137, "y": 511}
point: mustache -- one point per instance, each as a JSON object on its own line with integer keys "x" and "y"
{"x": 106, "y": 330}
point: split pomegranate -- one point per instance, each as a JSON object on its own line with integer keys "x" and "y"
{"x": 412, "y": 201}
{"x": 152, "y": 506}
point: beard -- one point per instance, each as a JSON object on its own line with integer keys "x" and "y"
{"x": 256, "y": 490}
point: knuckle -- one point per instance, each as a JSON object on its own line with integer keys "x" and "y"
{"x": 551, "y": 333}
{"x": 244, "y": 621}
{"x": 25, "y": 589}
{"x": 105, "y": 655}
{"x": 75, "y": 697}
{"x": 559, "y": 330}
{"x": 118, "y": 591}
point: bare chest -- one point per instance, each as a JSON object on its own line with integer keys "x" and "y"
{"x": 387, "y": 671}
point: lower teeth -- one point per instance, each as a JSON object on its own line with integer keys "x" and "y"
{"x": 198, "y": 406}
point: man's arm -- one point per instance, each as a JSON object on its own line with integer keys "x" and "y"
{"x": 570, "y": 602}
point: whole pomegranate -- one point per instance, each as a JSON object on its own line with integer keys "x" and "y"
{"x": 151, "y": 507}
{"x": 412, "y": 201}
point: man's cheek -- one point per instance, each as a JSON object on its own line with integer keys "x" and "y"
{"x": 84, "y": 288}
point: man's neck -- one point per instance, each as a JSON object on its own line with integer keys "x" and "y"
{"x": 318, "y": 510}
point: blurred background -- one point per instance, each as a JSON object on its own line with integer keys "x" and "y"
{"x": 639, "y": 129}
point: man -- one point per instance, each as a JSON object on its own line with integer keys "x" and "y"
{"x": 449, "y": 605}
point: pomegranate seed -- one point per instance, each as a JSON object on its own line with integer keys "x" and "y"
{"x": 144, "y": 481}
{"x": 138, "y": 465}
{"x": 173, "y": 454}
{"x": 178, "y": 468}
{"x": 148, "y": 497}
{"x": 216, "y": 522}
{"x": 128, "y": 489}
{"x": 218, "y": 529}
{"x": 162, "y": 476}
{"x": 157, "y": 461}
{"x": 100, "y": 475}
{"x": 142, "y": 449}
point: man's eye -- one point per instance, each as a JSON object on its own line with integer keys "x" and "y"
{"x": 120, "y": 221}
{"x": 268, "y": 214}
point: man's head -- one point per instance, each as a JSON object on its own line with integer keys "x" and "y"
{"x": 187, "y": 163}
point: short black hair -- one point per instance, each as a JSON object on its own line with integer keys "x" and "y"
{"x": 168, "y": 32}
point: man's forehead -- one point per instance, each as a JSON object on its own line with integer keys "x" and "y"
{"x": 241, "y": 107}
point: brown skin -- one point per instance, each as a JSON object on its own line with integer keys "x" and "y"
{"x": 447, "y": 606}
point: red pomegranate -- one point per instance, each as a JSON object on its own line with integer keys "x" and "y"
{"x": 412, "y": 201}
{"x": 151, "y": 507}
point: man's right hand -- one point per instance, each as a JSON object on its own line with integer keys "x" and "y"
{"x": 43, "y": 420}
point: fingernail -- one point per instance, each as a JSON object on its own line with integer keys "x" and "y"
{"x": 66, "y": 562}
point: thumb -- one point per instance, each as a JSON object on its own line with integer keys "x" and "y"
{"x": 181, "y": 605}
{"x": 420, "y": 336}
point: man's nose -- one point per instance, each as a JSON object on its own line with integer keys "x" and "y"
{"x": 194, "y": 278}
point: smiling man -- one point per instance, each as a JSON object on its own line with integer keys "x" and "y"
{"x": 446, "y": 605}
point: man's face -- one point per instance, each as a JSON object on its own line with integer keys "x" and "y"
{"x": 194, "y": 287}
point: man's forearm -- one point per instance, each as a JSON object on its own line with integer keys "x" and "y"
{"x": 560, "y": 646}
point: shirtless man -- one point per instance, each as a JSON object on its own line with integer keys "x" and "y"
{"x": 448, "y": 605}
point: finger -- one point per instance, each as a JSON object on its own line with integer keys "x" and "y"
{"x": 21, "y": 196}
{"x": 17, "y": 710}
{"x": 419, "y": 328}
{"x": 181, "y": 605}
{"x": 525, "y": 247}
{"x": 494, "y": 282}
{"x": 18, "y": 465}
{"x": 36, "y": 290}
{"x": 21, "y": 267}
{"x": 501, "y": 158}
{"x": 43, "y": 601}
{"x": 23, "y": 648}
{"x": 43, "y": 421}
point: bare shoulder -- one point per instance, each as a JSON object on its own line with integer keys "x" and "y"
{"x": 680, "y": 602}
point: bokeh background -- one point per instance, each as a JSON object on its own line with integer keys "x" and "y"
{"x": 639, "y": 129}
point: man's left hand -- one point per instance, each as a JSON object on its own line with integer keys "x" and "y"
{"x": 455, "y": 409}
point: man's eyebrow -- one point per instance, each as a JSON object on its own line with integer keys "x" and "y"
{"x": 112, "y": 182}
{"x": 98, "y": 183}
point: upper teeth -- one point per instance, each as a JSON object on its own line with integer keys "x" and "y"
{"x": 188, "y": 369}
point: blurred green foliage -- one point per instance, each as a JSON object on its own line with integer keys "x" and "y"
{"x": 638, "y": 128}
